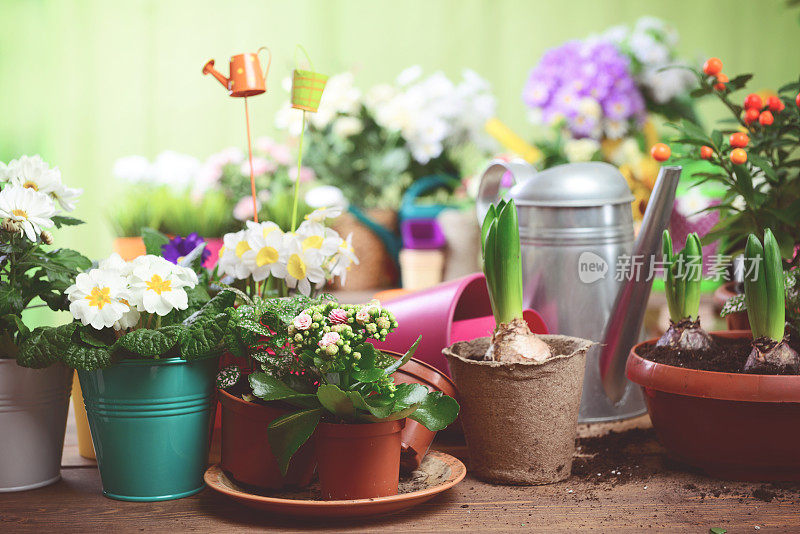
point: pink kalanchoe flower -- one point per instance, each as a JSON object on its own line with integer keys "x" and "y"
{"x": 331, "y": 338}
{"x": 337, "y": 316}
{"x": 302, "y": 321}
{"x": 363, "y": 316}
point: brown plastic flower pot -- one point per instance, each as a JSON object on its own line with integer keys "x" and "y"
{"x": 520, "y": 419}
{"x": 246, "y": 454}
{"x": 359, "y": 461}
{"x": 415, "y": 438}
{"x": 729, "y": 425}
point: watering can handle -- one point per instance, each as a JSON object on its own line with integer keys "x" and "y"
{"x": 269, "y": 61}
{"x": 489, "y": 188}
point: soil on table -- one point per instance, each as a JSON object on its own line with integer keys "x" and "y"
{"x": 727, "y": 356}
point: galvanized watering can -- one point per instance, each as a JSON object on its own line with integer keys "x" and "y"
{"x": 582, "y": 270}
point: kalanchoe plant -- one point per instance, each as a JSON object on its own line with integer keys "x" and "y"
{"x": 32, "y": 199}
{"x": 512, "y": 340}
{"x": 766, "y": 307}
{"x": 148, "y": 308}
{"x": 331, "y": 371}
{"x": 682, "y": 278}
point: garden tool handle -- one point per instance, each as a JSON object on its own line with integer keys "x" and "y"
{"x": 489, "y": 188}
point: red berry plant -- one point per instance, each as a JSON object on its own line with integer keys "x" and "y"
{"x": 753, "y": 155}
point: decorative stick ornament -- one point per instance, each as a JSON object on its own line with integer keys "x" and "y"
{"x": 307, "y": 88}
{"x": 245, "y": 80}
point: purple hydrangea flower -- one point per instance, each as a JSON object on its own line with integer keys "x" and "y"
{"x": 178, "y": 247}
{"x": 578, "y": 70}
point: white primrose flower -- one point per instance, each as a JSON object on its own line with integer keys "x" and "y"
{"x": 157, "y": 285}
{"x": 230, "y": 255}
{"x": 32, "y": 172}
{"x": 100, "y": 298}
{"x": 115, "y": 263}
{"x": 27, "y": 207}
{"x": 303, "y": 267}
{"x": 265, "y": 254}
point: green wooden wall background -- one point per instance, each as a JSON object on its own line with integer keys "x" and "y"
{"x": 86, "y": 81}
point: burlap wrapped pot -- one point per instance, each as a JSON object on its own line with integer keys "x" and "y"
{"x": 520, "y": 419}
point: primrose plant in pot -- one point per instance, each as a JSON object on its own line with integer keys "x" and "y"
{"x": 713, "y": 406}
{"x": 32, "y": 275}
{"x": 145, "y": 341}
{"x": 519, "y": 392}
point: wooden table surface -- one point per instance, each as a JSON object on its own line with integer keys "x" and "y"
{"x": 653, "y": 496}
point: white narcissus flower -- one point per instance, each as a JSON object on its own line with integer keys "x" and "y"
{"x": 100, "y": 298}
{"x": 303, "y": 267}
{"x": 265, "y": 256}
{"x": 32, "y": 172}
{"x": 30, "y": 209}
{"x": 314, "y": 235}
{"x": 230, "y": 255}
{"x": 158, "y": 286}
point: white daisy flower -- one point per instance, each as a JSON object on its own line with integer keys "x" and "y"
{"x": 265, "y": 256}
{"x": 29, "y": 208}
{"x": 157, "y": 285}
{"x": 303, "y": 267}
{"x": 230, "y": 255}
{"x": 314, "y": 235}
{"x": 32, "y": 172}
{"x": 343, "y": 259}
{"x": 99, "y": 298}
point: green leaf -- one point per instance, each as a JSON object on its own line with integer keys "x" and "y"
{"x": 368, "y": 375}
{"x": 93, "y": 337}
{"x": 11, "y": 302}
{"x": 336, "y": 401}
{"x": 402, "y": 361}
{"x": 491, "y": 215}
{"x": 87, "y": 357}
{"x": 776, "y": 291}
{"x": 150, "y": 343}
{"x": 288, "y": 433}
{"x": 69, "y": 259}
{"x": 508, "y": 264}
{"x": 368, "y": 356}
{"x": 63, "y": 220}
{"x": 202, "y": 337}
{"x": 269, "y": 388}
{"x": 436, "y": 412}
{"x": 45, "y": 345}
{"x": 409, "y": 394}
{"x": 153, "y": 241}
{"x": 755, "y": 287}
{"x": 717, "y": 530}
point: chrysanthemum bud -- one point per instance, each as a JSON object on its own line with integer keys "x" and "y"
{"x": 47, "y": 237}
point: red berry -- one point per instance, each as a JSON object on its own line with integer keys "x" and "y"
{"x": 751, "y": 115}
{"x": 775, "y": 104}
{"x": 739, "y": 140}
{"x": 721, "y": 81}
{"x": 738, "y": 156}
{"x": 660, "y": 152}
{"x": 766, "y": 118}
{"x": 753, "y": 101}
{"x": 712, "y": 66}
{"x": 706, "y": 152}
{"x": 797, "y": 100}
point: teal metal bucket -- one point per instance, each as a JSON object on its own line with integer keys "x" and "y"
{"x": 150, "y": 423}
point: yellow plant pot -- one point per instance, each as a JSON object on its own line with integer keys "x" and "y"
{"x": 85, "y": 447}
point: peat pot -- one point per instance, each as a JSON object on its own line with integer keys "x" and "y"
{"x": 246, "y": 454}
{"x": 520, "y": 419}
{"x": 150, "y": 423}
{"x": 730, "y": 425}
{"x": 33, "y": 418}
{"x": 359, "y": 461}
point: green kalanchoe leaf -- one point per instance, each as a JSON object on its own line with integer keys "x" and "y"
{"x": 436, "y": 412}
{"x": 402, "y": 361}
{"x": 288, "y": 433}
{"x": 269, "y": 388}
{"x": 336, "y": 401}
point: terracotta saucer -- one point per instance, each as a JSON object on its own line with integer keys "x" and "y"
{"x": 438, "y": 472}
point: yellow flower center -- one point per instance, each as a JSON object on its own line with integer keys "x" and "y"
{"x": 159, "y": 285}
{"x": 315, "y": 241}
{"x": 267, "y": 230}
{"x": 241, "y": 248}
{"x": 266, "y": 256}
{"x": 31, "y": 185}
{"x": 221, "y": 251}
{"x": 20, "y": 213}
{"x": 99, "y": 297}
{"x": 296, "y": 267}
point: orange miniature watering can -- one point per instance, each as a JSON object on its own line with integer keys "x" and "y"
{"x": 246, "y": 78}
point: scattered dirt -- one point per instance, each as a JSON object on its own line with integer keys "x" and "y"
{"x": 618, "y": 457}
{"x": 727, "y": 356}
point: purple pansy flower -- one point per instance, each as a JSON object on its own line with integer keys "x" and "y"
{"x": 178, "y": 247}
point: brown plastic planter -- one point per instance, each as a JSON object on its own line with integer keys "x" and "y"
{"x": 731, "y": 426}
{"x": 520, "y": 419}
{"x": 415, "y": 438}
{"x": 737, "y": 320}
{"x": 246, "y": 454}
{"x": 358, "y": 461}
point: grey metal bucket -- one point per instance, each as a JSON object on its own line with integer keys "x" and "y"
{"x": 33, "y": 418}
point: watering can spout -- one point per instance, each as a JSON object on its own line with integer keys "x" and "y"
{"x": 625, "y": 321}
{"x": 208, "y": 68}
